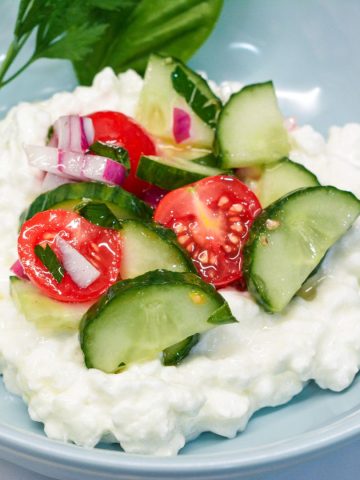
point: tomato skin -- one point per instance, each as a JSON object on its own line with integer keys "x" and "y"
{"x": 100, "y": 246}
{"x": 211, "y": 219}
{"x": 119, "y": 129}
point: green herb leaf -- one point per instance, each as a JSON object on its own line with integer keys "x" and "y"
{"x": 119, "y": 154}
{"x": 116, "y": 33}
{"x": 63, "y": 29}
{"x": 172, "y": 27}
{"x": 49, "y": 259}
{"x": 99, "y": 214}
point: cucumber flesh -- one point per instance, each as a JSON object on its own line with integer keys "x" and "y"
{"x": 172, "y": 173}
{"x": 201, "y": 156}
{"x": 158, "y": 99}
{"x": 251, "y": 128}
{"x": 44, "y": 312}
{"x": 280, "y": 178}
{"x": 70, "y": 195}
{"x": 289, "y": 239}
{"x": 137, "y": 319}
{"x": 147, "y": 247}
{"x": 283, "y": 177}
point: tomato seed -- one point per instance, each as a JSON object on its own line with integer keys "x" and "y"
{"x": 213, "y": 260}
{"x": 191, "y": 247}
{"x": 197, "y": 298}
{"x": 237, "y": 227}
{"x": 203, "y": 257}
{"x": 223, "y": 201}
{"x": 237, "y": 207}
{"x": 227, "y": 248}
{"x": 234, "y": 219}
{"x": 233, "y": 238}
{"x": 183, "y": 239}
{"x": 264, "y": 240}
{"x": 179, "y": 227}
{"x": 272, "y": 224}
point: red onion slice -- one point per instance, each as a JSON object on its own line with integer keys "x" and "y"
{"x": 76, "y": 165}
{"x": 290, "y": 124}
{"x": 81, "y": 271}
{"x": 17, "y": 269}
{"x": 72, "y": 132}
{"x": 181, "y": 125}
{"x": 153, "y": 196}
{"x": 52, "y": 181}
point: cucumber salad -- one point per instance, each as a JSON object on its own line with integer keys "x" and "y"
{"x": 180, "y": 257}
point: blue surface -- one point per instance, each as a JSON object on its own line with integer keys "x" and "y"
{"x": 305, "y": 47}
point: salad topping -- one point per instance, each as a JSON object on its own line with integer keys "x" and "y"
{"x": 84, "y": 240}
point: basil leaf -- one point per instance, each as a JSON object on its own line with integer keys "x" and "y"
{"x": 119, "y": 154}
{"x": 49, "y": 259}
{"x": 99, "y": 214}
{"x": 172, "y": 27}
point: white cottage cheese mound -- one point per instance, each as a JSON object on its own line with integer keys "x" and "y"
{"x": 262, "y": 361}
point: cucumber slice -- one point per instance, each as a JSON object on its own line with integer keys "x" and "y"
{"x": 201, "y": 156}
{"x": 251, "y": 128}
{"x": 176, "y": 353}
{"x": 158, "y": 99}
{"x": 273, "y": 181}
{"x": 172, "y": 173}
{"x": 289, "y": 239}
{"x": 147, "y": 247}
{"x": 280, "y": 178}
{"x": 70, "y": 195}
{"x": 137, "y": 319}
{"x": 44, "y": 312}
{"x": 209, "y": 160}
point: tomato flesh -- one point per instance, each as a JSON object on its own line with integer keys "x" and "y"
{"x": 211, "y": 219}
{"x": 100, "y": 246}
{"x": 119, "y": 129}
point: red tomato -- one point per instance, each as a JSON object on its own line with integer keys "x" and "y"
{"x": 117, "y": 128}
{"x": 100, "y": 246}
{"x": 212, "y": 219}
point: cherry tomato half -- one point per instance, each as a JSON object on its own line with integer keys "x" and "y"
{"x": 211, "y": 219}
{"x": 117, "y": 128}
{"x": 100, "y": 246}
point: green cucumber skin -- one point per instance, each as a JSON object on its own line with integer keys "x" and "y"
{"x": 209, "y": 160}
{"x": 255, "y": 283}
{"x": 122, "y": 202}
{"x": 176, "y": 353}
{"x": 197, "y": 93}
{"x": 168, "y": 236}
{"x": 171, "y": 177}
{"x": 221, "y": 316}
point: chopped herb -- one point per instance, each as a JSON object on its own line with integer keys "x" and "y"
{"x": 50, "y": 133}
{"x": 99, "y": 214}
{"x": 49, "y": 259}
{"x": 119, "y": 154}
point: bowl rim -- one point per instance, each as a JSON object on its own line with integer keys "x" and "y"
{"x": 44, "y": 449}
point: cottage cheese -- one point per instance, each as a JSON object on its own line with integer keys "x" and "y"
{"x": 236, "y": 369}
